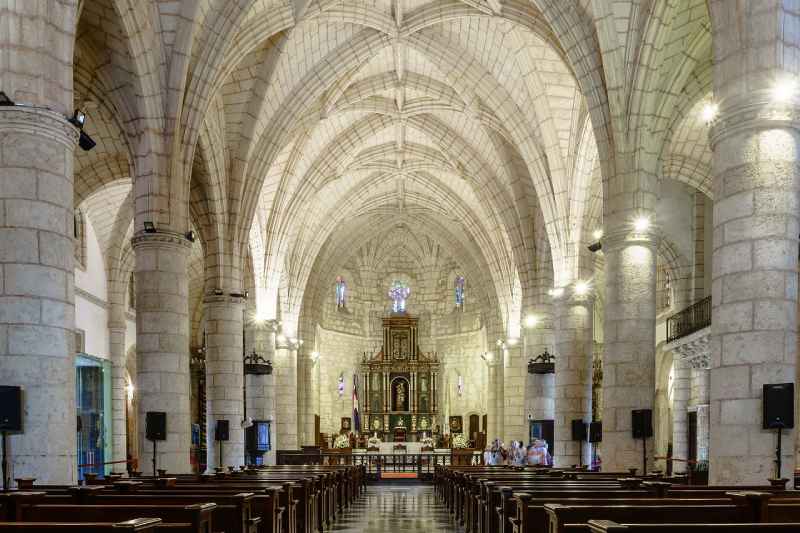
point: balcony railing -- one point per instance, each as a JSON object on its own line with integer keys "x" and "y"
{"x": 694, "y": 318}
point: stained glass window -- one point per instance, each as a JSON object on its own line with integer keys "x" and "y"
{"x": 341, "y": 291}
{"x": 399, "y": 293}
{"x": 460, "y": 283}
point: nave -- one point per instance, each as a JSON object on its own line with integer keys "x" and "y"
{"x": 396, "y": 508}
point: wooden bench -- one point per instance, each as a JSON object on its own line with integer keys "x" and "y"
{"x": 609, "y": 526}
{"x": 139, "y": 525}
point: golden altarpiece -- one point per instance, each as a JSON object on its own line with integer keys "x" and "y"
{"x": 400, "y": 384}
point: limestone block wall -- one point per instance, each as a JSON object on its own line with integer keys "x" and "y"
{"x": 461, "y": 355}
{"x": 340, "y": 354}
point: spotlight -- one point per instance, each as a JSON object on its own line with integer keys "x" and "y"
{"x": 581, "y": 288}
{"x": 709, "y": 112}
{"x": 78, "y": 119}
{"x": 149, "y": 227}
{"x": 531, "y": 321}
{"x": 595, "y": 247}
{"x": 513, "y": 341}
{"x": 641, "y": 224}
{"x": 281, "y": 338}
{"x": 85, "y": 142}
{"x": 597, "y": 234}
{"x": 218, "y": 292}
{"x": 499, "y": 342}
{"x": 190, "y": 236}
{"x": 784, "y": 90}
{"x": 5, "y": 100}
{"x": 315, "y": 356}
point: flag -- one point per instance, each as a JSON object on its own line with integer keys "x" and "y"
{"x": 356, "y": 416}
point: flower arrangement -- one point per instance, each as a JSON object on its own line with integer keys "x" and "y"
{"x": 427, "y": 442}
{"x": 342, "y": 441}
{"x": 460, "y": 441}
{"x": 374, "y": 441}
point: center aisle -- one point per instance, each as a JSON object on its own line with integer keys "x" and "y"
{"x": 396, "y": 508}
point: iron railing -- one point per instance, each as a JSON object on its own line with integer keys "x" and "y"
{"x": 694, "y": 318}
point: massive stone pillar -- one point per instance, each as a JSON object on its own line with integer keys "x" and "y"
{"x": 513, "y": 411}
{"x": 629, "y": 338}
{"x": 119, "y": 394}
{"x": 493, "y": 371}
{"x": 37, "y": 297}
{"x": 754, "y": 281}
{"x": 699, "y": 404}
{"x": 573, "y": 378}
{"x": 162, "y": 345}
{"x": 286, "y": 394}
{"x": 224, "y": 377}
{"x": 681, "y": 388}
{"x": 539, "y": 388}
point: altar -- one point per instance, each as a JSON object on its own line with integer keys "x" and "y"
{"x": 400, "y": 385}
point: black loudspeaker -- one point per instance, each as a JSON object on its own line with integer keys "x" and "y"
{"x": 596, "y": 432}
{"x": 223, "y": 430}
{"x": 10, "y": 408}
{"x": 578, "y": 429}
{"x": 778, "y": 405}
{"x": 156, "y": 425}
{"x": 642, "y": 423}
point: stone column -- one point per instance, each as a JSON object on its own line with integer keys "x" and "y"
{"x": 680, "y": 402}
{"x": 513, "y": 410}
{"x": 37, "y": 296}
{"x": 224, "y": 377}
{"x": 162, "y": 345}
{"x": 285, "y": 394}
{"x": 755, "y": 145}
{"x": 119, "y": 395}
{"x": 629, "y": 341}
{"x": 493, "y": 369}
{"x": 311, "y": 394}
{"x": 573, "y": 377}
{"x": 540, "y": 388}
{"x": 700, "y": 389}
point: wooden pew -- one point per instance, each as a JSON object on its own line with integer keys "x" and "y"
{"x": 139, "y": 525}
{"x": 197, "y": 518}
{"x": 609, "y": 526}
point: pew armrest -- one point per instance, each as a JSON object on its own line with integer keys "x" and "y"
{"x": 606, "y": 526}
{"x": 137, "y": 524}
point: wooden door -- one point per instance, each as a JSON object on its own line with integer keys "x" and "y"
{"x": 691, "y": 434}
{"x": 474, "y": 428}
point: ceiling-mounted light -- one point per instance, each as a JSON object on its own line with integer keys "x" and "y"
{"x": 709, "y": 112}
{"x": 513, "y": 341}
{"x": 597, "y": 234}
{"x": 149, "y": 227}
{"x": 531, "y": 321}
{"x": 784, "y": 89}
{"x": 581, "y": 288}
{"x": 190, "y": 236}
{"x": 641, "y": 224}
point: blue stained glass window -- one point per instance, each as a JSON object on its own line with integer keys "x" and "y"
{"x": 341, "y": 291}
{"x": 460, "y": 284}
{"x": 399, "y": 293}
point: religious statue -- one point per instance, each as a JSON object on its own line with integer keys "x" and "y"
{"x": 401, "y": 394}
{"x": 401, "y": 424}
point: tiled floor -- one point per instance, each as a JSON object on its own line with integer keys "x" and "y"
{"x": 396, "y": 508}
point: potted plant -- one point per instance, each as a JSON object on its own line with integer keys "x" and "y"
{"x": 341, "y": 442}
{"x": 461, "y": 452}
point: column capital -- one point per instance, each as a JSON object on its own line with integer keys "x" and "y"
{"x": 619, "y": 238}
{"x": 40, "y": 122}
{"x": 161, "y": 239}
{"x": 225, "y": 300}
{"x": 756, "y": 110}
